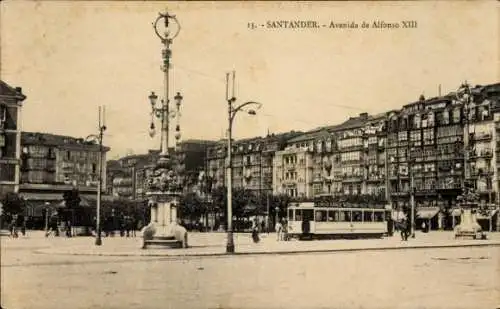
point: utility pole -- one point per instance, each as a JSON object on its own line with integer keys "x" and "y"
{"x": 102, "y": 128}
{"x": 412, "y": 199}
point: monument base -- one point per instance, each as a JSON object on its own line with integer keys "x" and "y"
{"x": 172, "y": 236}
{"x": 468, "y": 226}
{"x": 163, "y": 230}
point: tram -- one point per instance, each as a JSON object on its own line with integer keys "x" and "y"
{"x": 305, "y": 220}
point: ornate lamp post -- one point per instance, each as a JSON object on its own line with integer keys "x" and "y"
{"x": 232, "y": 111}
{"x": 164, "y": 185}
{"x": 469, "y": 200}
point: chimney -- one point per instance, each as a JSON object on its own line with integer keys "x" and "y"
{"x": 19, "y": 89}
{"x": 363, "y": 115}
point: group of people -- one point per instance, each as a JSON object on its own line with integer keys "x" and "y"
{"x": 281, "y": 230}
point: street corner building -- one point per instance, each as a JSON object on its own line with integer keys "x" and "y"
{"x": 54, "y": 164}
{"x": 11, "y": 102}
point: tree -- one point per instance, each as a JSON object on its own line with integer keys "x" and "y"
{"x": 13, "y": 204}
{"x": 191, "y": 206}
{"x": 72, "y": 198}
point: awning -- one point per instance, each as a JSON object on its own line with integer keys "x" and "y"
{"x": 29, "y": 196}
{"x": 427, "y": 213}
{"x": 488, "y": 215}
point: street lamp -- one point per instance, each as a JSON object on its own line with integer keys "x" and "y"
{"x": 171, "y": 30}
{"x": 99, "y": 138}
{"x": 232, "y": 111}
{"x": 164, "y": 185}
{"x": 47, "y": 204}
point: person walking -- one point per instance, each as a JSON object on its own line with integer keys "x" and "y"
{"x": 255, "y": 232}
{"x": 284, "y": 230}
{"x": 404, "y": 229}
{"x": 13, "y": 227}
{"x": 279, "y": 231}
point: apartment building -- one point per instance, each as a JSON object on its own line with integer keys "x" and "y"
{"x": 128, "y": 175}
{"x": 437, "y": 146}
{"x": 252, "y": 162}
{"x": 52, "y": 164}
{"x": 11, "y": 100}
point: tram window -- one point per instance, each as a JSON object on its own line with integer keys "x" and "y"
{"x": 379, "y": 216}
{"x": 298, "y": 215}
{"x": 367, "y": 216}
{"x": 308, "y": 215}
{"x": 356, "y": 216}
{"x": 320, "y": 215}
{"x": 290, "y": 214}
{"x": 332, "y": 215}
{"x": 347, "y": 216}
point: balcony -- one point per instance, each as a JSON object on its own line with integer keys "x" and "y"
{"x": 481, "y": 172}
{"x": 351, "y": 148}
{"x": 400, "y": 193}
{"x": 485, "y": 153}
{"x": 352, "y": 178}
{"x": 424, "y": 191}
{"x": 480, "y": 136}
{"x": 375, "y": 178}
{"x": 289, "y": 183}
{"x": 484, "y": 190}
{"x": 449, "y": 186}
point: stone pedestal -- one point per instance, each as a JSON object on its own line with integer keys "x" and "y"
{"x": 163, "y": 210}
{"x": 163, "y": 229}
{"x": 468, "y": 222}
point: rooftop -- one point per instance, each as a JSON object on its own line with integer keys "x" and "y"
{"x": 6, "y": 90}
{"x": 49, "y": 139}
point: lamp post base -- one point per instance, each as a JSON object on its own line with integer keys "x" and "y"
{"x": 230, "y": 243}
{"x": 98, "y": 241}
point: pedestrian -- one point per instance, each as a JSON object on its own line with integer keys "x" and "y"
{"x": 255, "y": 232}
{"x": 279, "y": 230}
{"x": 68, "y": 228}
{"x": 13, "y": 227}
{"x": 284, "y": 230}
{"x": 53, "y": 226}
{"x": 404, "y": 229}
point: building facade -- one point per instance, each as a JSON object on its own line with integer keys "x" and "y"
{"x": 253, "y": 162}
{"x": 52, "y": 164}
{"x": 11, "y": 100}
{"x": 426, "y": 151}
{"x": 438, "y": 146}
{"x": 127, "y": 176}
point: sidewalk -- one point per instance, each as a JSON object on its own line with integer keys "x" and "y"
{"x": 213, "y": 244}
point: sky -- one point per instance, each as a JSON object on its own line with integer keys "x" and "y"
{"x": 72, "y": 57}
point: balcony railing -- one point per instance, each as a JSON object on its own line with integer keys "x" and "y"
{"x": 481, "y": 172}
{"x": 480, "y": 136}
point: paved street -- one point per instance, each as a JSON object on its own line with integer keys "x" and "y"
{"x": 424, "y": 278}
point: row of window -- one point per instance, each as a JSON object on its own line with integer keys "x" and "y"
{"x": 351, "y": 142}
{"x": 351, "y": 156}
{"x": 338, "y": 215}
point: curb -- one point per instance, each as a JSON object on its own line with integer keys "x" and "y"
{"x": 291, "y": 252}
